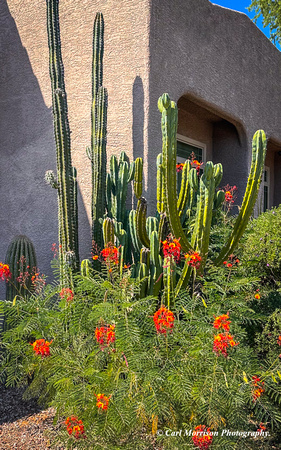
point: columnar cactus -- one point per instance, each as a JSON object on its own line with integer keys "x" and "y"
{"x": 65, "y": 184}
{"x": 121, "y": 174}
{"x": 21, "y": 258}
{"x": 250, "y": 196}
{"x": 97, "y": 152}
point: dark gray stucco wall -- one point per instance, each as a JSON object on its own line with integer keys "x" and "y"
{"x": 219, "y": 57}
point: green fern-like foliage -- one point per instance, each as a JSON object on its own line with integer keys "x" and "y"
{"x": 153, "y": 381}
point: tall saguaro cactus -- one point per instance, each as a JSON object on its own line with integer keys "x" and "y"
{"x": 65, "y": 183}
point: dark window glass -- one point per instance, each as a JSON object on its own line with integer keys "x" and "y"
{"x": 184, "y": 151}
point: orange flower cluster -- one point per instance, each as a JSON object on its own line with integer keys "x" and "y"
{"x": 41, "y": 347}
{"x": 105, "y": 335}
{"x": 67, "y": 294}
{"x": 259, "y": 390}
{"x": 222, "y": 342}
{"x": 261, "y": 428}
{"x": 197, "y": 165}
{"x": 172, "y": 247}
{"x": 110, "y": 254}
{"x": 257, "y": 295}
{"x": 163, "y": 320}
{"x": 180, "y": 167}
{"x": 75, "y": 427}
{"x": 102, "y": 401}
{"x": 5, "y": 273}
{"x": 230, "y": 194}
{"x": 202, "y": 437}
{"x": 232, "y": 261}
{"x": 222, "y": 322}
{"x": 194, "y": 259}
{"x": 279, "y": 340}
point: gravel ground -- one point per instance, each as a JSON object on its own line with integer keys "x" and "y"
{"x": 23, "y": 424}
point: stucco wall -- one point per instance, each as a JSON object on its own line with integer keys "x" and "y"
{"x": 223, "y": 60}
{"x": 27, "y": 147}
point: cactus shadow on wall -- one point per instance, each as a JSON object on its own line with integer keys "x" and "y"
{"x": 27, "y": 150}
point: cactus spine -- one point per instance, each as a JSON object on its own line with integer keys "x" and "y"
{"x": 67, "y": 205}
{"x": 21, "y": 258}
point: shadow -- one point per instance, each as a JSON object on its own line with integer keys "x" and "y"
{"x": 27, "y": 149}
{"x": 138, "y": 121}
{"x": 13, "y": 407}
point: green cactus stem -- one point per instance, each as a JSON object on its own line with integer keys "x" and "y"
{"x": 155, "y": 278}
{"x": 64, "y": 183}
{"x": 86, "y": 268}
{"x": 138, "y": 178}
{"x": 169, "y": 130}
{"x": 169, "y": 280}
{"x": 258, "y": 157}
{"x": 21, "y": 258}
{"x": 160, "y": 186}
{"x": 108, "y": 231}
{"x": 141, "y": 222}
{"x": 99, "y": 166}
{"x": 184, "y": 189}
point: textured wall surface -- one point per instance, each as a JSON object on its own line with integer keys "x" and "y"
{"x": 27, "y": 147}
{"x": 219, "y": 58}
{"x": 212, "y": 55}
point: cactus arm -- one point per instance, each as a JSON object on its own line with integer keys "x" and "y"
{"x": 208, "y": 181}
{"x": 86, "y": 268}
{"x": 108, "y": 194}
{"x": 131, "y": 173}
{"x": 160, "y": 188}
{"x": 99, "y": 192}
{"x": 133, "y": 233}
{"x": 108, "y": 231}
{"x": 250, "y": 196}
{"x": 151, "y": 225}
{"x": 184, "y": 189}
{"x": 65, "y": 183}
{"x": 97, "y": 69}
{"x": 138, "y": 177}
{"x": 141, "y": 222}
{"x": 169, "y": 129}
{"x": 122, "y": 188}
{"x": 218, "y": 173}
{"x": 169, "y": 279}
{"x": 184, "y": 278}
{"x": 155, "y": 265}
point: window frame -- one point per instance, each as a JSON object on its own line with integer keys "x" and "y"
{"x": 266, "y": 183}
{"x": 193, "y": 143}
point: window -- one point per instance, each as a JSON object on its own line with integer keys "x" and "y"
{"x": 266, "y": 181}
{"x": 185, "y": 146}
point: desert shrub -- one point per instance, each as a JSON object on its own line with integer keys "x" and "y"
{"x": 261, "y": 247}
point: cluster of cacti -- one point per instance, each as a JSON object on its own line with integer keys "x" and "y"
{"x": 147, "y": 233}
{"x": 189, "y": 196}
{"x": 65, "y": 182}
{"x": 21, "y": 259}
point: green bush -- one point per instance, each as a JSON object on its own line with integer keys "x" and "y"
{"x": 262, "y": 246}
{"x": 154, "y": 381}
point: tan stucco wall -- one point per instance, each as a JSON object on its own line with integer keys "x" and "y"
{"x": 27, "y": 146}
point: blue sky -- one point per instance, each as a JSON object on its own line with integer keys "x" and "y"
{"x": 241, "y": 5}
